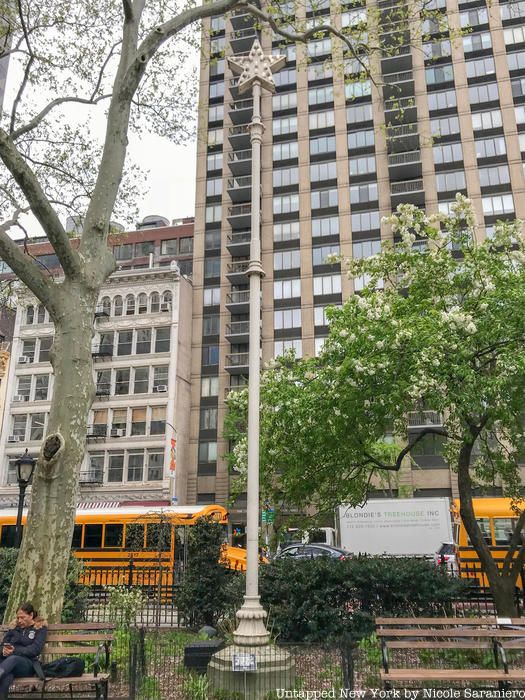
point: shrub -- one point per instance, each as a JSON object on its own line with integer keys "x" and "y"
{"x": 204, "y": 594}
{"x": 75, "y": 595}
{"x": 323, "y": 600}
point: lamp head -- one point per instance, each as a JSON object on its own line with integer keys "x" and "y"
{"x": 25, "y": 466}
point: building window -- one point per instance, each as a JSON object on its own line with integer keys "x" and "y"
{"x": 138, "y": 421}
{"x": 439, "y": 74}
{"x": 123, "y": 252}
{"x": 321, "y": 120}
{"x": 37, "y": 427}
{"x": 357, "y": 114}
{"x": 286, "y": 318}
{"x": 447, "y": 153}
{"x": 487, "y": 92}
{"x": 142, "y": 303}
{"x": 283, "y": 177}
{"x": 130, "y": 305}
{"x": 516, "y": 61}
{"x": 319, "y": 71}
{"x": 143, "y": 346}
{"x": 287, "y": 289}
{"x": 216, "y": 91}
{"x": 442, "y": 99}
{"x": 436, "y": 49}
{"x": 322, "y": 144}
{"x": 115, "y": 467}
{"x": 158, "y": 420}
{"x": 360, "y": 139}
{"x": 488, "y": 148}
{"x": 513, "y": 35}
{"x": 285, "y": 151}
{"x": 320, "y": 172}
{"x": 480, "y": 67}
{"x": 365, "y": 221}
{"x": 321, "y": 254}
{"x": 213, "y": 213}
{"x": 496, "y": 175}
{"x": 359, "y": 88}
{"x": 320, "y": 95}
{"x": 122, "y": 381}
{"x": 490, "y": 119}
{"x": 210, "y": 355}
{"x": 284, "y": 125}
{"x": 45, "y": 347}
{"x": 363, "y": 193}
{"x": 322, "y": 199}
{"x": 155, "y": 465}
{"x": 365, "y": 249}
{"x": 471, "y": 18}
{"x": 320, "y": 317}
{"x": 141, "y": 380}
{"x": 498, "y": 204}
{"x": 213, "y": 188}
{"x": 160, "y": 376}
{"x": 450, "y": 181}
{"x": 325, "y": 226}
{"x": 212, "y": 267}
{"x": 284, "y": 204}
{"x": 362, "y": 165}
{"x": 28, "y": 349}
{"x": 41, "y": 387}
{"x": 287, "y": 260}
{"x": 210, "y": 325}
{"x": 24, "y": 387}
{"x": 327, "y": 284}
{"x": 286, "y": 231}
{"x": 208, "y": 452}
{"x": 321, "y": 47}
{"x": 282, "y": 346}
{"x": 214, "y": 162}
{"x": 445, "y": 126}
{"x": 208, "y": 418}
{"x": 19, "y": 425}
{"x": 209, "y": 386}
{"x": 286, "y": 100}
{"x": 212, "y": 296}
{"x": 285, "y": 77}
{"x": 480, "y": 41}
{"x": 162, "y": 339}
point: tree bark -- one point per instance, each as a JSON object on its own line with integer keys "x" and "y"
{"x": 41, "y": 568}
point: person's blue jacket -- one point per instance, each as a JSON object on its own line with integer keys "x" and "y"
{"x": 27, "y": 641}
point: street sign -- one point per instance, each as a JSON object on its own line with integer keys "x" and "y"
{"x": 268, "y": 515}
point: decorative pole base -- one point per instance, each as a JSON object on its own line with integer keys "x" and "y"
{"x": 251, "y": 630}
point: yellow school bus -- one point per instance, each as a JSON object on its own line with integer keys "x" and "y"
{"x": 122, "y": 544}
{"x": 497, "y": 521}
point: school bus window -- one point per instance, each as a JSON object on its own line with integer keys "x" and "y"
{"x": 113, "y": 535}
{"x": 158, "y": 537}
{"x": 77, "y": 537}
{"x": 92, "y": 536}
{"x": 484, "y": 526}
{"x": 135, "y": 537}
{"x": 503, "y": 529}
{"x": 8, "y": 536}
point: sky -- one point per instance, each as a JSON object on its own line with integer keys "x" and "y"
{"x": 169, "y": 187}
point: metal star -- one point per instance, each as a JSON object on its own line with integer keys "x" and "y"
{"x": 256, "y": 66}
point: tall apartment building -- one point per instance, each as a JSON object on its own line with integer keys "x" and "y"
{"x": 141, "y": 351}
{"x": 337, "y": 156}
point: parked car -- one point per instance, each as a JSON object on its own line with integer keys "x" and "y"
{"x": 447, "y": 555}
{"x": 312, "y": 551}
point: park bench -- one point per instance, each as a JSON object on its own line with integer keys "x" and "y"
{"x": 89, "y": 639}
{"x": 457, "y": 633}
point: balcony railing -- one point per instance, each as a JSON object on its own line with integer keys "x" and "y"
{"x": 240, "y": 155}
{"x": 96, "y": 431}
{"x": 238, "y": 297}
{"x": 92, "y": 476}
{"x": 404, "y": 158}
{"x": 421, "y": 419}
{"x": 240, "y": 210}
{"x": 237, "y": 359}
{"x": 400, "y": 103}
{"x": 403, "y": 130}
{"x": 407, "y": 186}
{"x": 235, "y": 183}
{"x": 237, "y": 268}
{"x": 398, "y": 77}
{"x": 238, "y": 328}
{"x": 241, "y": 105}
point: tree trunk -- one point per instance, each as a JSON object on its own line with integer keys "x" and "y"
{"x": 503, "y": 589}
{"x": 41, "y": 568}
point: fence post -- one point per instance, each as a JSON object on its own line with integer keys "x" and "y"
{"x": 130, "y": 573}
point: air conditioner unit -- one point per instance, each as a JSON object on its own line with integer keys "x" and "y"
{"x": 165, "y": 306}
{"x": 161, "y": 388}
{"x": 25, "y": 360}
{"x": 117, "y": 432}
{"x": 18, "y": 398}
{"x": 14, "y": 438}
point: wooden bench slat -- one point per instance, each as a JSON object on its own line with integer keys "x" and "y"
{"x": 85, "y": 678}
{"x": 497, "y": 633}
{"x": 53, "y": 637}
{"x": 459, "y": 644}
{"x": 437, "y": 621}
{"x": 57, "y": 626}
{"x": 448, "y": 674}
{"x": 67, "y": 650}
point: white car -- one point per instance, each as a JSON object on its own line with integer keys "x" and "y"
{"x": 447, "y": 555}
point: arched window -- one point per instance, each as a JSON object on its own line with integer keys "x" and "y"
{"x": 117, "y": 306}
{"x": 106, "y": 305}
{"x": 130, "y": 305}
{"x": 30, "y": 314}
{"x": 155, "y": 302}
{"x": 41, "y": 314}
{"x": 167, "y": 298}
{"x": 142, "y": 303}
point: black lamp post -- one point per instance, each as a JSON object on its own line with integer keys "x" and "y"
{"x": 25, "y": 466}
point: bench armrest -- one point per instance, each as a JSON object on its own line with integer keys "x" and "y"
{"x": 104, "y": 647}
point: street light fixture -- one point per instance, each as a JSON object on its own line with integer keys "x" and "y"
{"x": 25, "y": 466}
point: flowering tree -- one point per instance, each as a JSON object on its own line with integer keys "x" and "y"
{"x": 440, "y": 323}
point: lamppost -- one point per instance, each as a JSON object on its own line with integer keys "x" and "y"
{"x": 250, "y": 651}
{"x": 25, "y": 466}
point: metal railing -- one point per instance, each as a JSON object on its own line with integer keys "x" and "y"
{"x": 238, "y": 328}
{"x": 240, "y": 155}
{"x": 239, "y": 130}
{"x": 236, "y": 183}
{"x": 398, "y": 77}
{"x": 240, "y": 210}
{"x": 239, "y": 237}
{"x": 240, "y": 105}
{"x": 400, "y": 103}
{"x": 237, "y": 359}
{"x": 418, "y": 419}
{"x": 406, "y": 187}
{"x": 238, "y": 297}
{"x": 236, "y": 268}
{"x": 404, "y": 158}
{"x": 403, "y": 130}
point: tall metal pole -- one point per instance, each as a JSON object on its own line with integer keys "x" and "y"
{"x": 256, "y": 71}
{"x": 21, "y": 496}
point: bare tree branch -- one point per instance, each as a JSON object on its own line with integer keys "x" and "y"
{"x": 26, "y": 269}
{"x": 406, "y": 450}
{"x": 40, "y": 206}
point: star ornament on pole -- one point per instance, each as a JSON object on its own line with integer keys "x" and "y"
{"x": 256, "y": 67}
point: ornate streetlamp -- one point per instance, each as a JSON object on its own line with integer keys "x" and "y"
{"x": 250, "y": 664}
{"x": 25, "y": 466}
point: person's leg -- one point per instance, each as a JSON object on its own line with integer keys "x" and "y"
{"x": 13, "y": 667}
